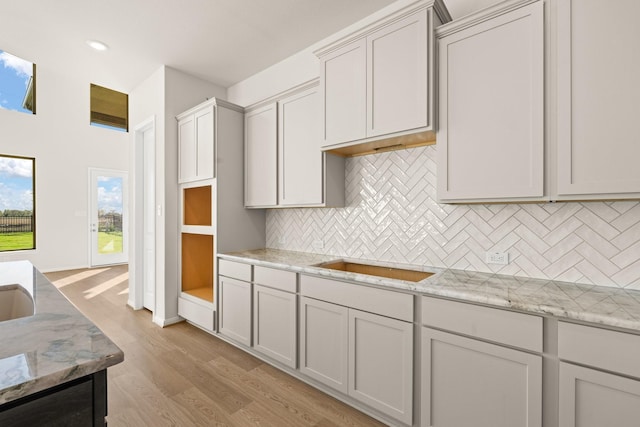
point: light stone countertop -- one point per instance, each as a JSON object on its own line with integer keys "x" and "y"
{"x": 55, "y": 345}
{"x": 600, "y": 305}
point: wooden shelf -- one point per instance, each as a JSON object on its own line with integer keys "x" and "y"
{"x": 205, "y": 293}
{"x": 198, "y": 265}
{"x": 197, "y": 205}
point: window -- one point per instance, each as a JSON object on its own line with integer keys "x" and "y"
{"x": 17, "y": 202}
{"x": 109, "y": 108}
{"x": 17, "y": 84}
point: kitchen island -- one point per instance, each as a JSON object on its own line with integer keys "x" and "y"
{"x": 53, "y": 360}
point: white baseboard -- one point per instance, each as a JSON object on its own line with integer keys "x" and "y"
{"x": 166, "y": 322}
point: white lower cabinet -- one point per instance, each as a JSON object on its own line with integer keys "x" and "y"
{"x": 324, "y": 332}
{"x": 274, "y": 324}
{"x": 235, "y": 309}
{"x": 474, "y": 369}
{"x": 367, "y": 356}
{"x": 591, "y": 398}
{"x": 381, "y": 363}
{"x": 466, "y": 382}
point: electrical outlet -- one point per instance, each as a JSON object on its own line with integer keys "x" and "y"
{"x": 318, "y": 244}
{"x": 501, "y": 258}
{"x": 282, "y": 240}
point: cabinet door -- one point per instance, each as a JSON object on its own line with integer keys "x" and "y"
{"x": 381, "y": 363}
{"x": 397, "y": 76}
{"x": 235, "y": 309}
{"x": 261, "y": 157}
{"x": 598, "y": 93}
{"x": 590, "y": 398}
{"x": 186, "y": 150}
{"x": 344, "y": 89}
{"x": 466, "y": 382}
{"x": 323, "y": 342}
{"x": 301, "y": 161}
{"x": 274, "y": 324}
{"x": 491, "y": 103}
{"x": 204, "y": 128}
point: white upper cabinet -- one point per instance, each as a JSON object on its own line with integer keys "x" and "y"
{"x": 491, "y": 105}
{"x": 598, "y": 147}
{"x": 343, "y": 75}
{"x": 301, "y": 161}
{"x": 196, "y": 144}
{"x": 378, "y": 83}
{"x": 284, "y": 165}
{"x": 261, "y": 157}
{"x": 398, "y": 92}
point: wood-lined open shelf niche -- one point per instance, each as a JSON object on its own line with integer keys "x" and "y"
{"x": 198, "y": 265}
{"x": 197, "y": 205}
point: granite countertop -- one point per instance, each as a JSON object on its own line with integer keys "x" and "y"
{"x": 600, "y": 305}
{"x": 55, "y": 345}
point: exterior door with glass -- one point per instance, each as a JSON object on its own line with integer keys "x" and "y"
{"x": 108, "y": 217}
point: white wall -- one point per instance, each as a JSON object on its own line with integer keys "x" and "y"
{"x": 304, "y": 65}
{"x": 165, "y": 94}
{"x": 65, "y": 146}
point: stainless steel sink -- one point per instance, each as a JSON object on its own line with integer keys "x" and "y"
{"x": 376, "y": 270}
{"x": 15, "y": 302}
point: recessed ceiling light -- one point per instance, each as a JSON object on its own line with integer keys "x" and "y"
{"x": 97, "y": 45}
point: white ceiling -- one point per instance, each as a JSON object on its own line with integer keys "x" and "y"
{"x": 222, "y": 41}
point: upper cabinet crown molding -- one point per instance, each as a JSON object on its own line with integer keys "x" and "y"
{"x": 485, "y": 14}
{"x": 437, "y": 5}
{"x": 378, "y": 84}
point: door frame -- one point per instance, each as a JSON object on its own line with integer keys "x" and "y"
{"x": 136, "y": 242}
{"x": 125, "y": 214}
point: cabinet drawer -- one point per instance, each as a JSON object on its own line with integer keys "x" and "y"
{"x": 501, "y": 326}
{"x": 274, "y": 278}
{"x": 379, "y": 301}
{"x": 601, "y": 348}
{"x": 237, "y": 270}
{"x": 196, "y": 313}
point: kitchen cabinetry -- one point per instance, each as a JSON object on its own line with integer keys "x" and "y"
{"x": 234, "y": 286}
{"x": 379, "y": 333}
{"x": 275, "y": 314}
{"x": 207, "y": 201}
{"x": 379, "y": 82}
{"x": 324, "y": 331}
{"x": 284, "y": 164}
{"x": 491, "y": 105}
{"x": 235, "y": 309}
{"x": 469, "y": 381}
{"x": 261, "y": 156}
{"x": 81, "y": 402}
{"x": 597, "y": 142}
{"x": 196, "y": 144}
{"x": 589, "y": 396}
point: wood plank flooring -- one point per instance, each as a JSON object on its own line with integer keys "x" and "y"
{"x": 182, "y": 376}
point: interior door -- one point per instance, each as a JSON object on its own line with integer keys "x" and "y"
{"x": 108, "y": 217}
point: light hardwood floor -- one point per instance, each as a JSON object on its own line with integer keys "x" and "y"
{"x": 182, "y": 376}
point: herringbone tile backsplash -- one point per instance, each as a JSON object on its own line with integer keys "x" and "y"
{"x": 391, "y": 214}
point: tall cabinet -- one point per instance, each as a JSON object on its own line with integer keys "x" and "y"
{"x": 212, "y": 214}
